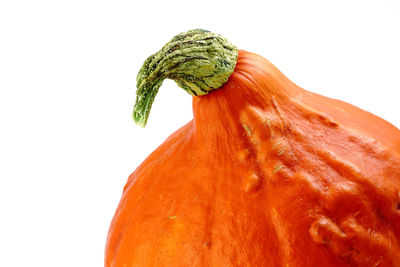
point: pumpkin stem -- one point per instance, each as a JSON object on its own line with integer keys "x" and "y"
{"x": 198, "y": 60}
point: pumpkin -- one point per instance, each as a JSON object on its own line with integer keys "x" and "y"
{"x": 266, "y": 173}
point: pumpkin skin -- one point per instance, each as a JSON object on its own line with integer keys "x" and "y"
{"x": 266, "y": 174}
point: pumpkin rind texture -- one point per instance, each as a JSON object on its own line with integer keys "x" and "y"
{"x": 266, "y": 174}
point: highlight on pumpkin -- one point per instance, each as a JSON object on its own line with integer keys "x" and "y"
{"x": 197, "y": 60}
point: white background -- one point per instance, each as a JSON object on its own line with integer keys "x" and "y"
{"x": 67, "y": 88}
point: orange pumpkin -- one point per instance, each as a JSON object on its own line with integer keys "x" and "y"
{"x": 266, "y": 173}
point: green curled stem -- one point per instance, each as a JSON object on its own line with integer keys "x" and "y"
{"x": 199, "y": 61}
